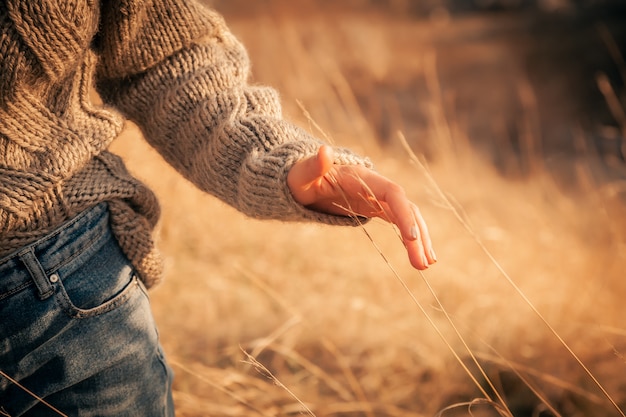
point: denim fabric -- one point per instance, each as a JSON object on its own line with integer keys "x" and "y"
{"x": 76, "y": 328}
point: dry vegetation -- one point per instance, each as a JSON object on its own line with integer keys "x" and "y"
{"x": 274, "y": 319}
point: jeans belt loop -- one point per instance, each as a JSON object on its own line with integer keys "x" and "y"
{"x": 37, "y": 273}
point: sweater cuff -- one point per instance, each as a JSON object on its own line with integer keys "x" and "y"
{"x": 263, "y": 189}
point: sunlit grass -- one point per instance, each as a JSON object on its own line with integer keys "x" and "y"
{"x": 320, "y": 310}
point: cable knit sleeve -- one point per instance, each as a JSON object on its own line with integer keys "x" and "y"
{"x": 174, "y": 68}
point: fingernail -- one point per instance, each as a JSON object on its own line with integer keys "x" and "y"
{"x": 425, "y": 261}
{"x": 433, "y": 255}
{"x": 413, "y": 232}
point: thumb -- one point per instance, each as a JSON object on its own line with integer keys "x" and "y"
{"x": 311, "y": 170}
{"x": 323, "y": 162}
{"x": 308, "y": 173}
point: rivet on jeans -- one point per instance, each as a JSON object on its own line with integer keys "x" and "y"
{"x": 54, "y": 278}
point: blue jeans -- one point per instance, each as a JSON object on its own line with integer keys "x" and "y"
{"x": 76, "y": 329}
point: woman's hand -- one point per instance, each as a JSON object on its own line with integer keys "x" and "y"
{"x": 347, "y": 190}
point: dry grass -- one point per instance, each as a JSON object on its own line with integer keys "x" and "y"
{"x": 273, "y": 319}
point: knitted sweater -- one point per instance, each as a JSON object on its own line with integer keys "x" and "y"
{"x": 173, "y": 68}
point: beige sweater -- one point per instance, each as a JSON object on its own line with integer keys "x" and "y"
{"x": 173, "y": 68}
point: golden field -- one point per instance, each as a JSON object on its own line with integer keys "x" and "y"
{"x": 523, "y": 314}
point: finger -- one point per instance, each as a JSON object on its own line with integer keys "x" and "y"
{"x": 413, "y": 236}
{"x": 315, "y": 168}
{"x": 417, "y": 243}
{"x": 325, "y": 158}
{"x": 307, "y": 173}
{"x": 405, "y": 215}
{"x": 398, "y": 209}
{"x": 415, "y": 252}
{"x": 424, "y": 235}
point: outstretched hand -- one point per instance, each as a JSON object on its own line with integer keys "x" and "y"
{"x": 319, "y": 184}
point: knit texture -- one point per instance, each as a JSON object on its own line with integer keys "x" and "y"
{"x": 173, "y": 68}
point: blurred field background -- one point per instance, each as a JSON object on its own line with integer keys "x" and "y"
{"x": 517, "y": 115}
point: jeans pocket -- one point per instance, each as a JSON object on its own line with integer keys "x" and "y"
{"x": 80, "y": 304}
{"x": 96, "y": 282}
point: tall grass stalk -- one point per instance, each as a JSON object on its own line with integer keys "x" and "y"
{"x": 29, "y": 392}
{"x": 258, "y": 365}
{"x": 505, "y": 274}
